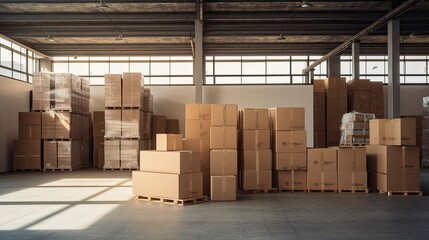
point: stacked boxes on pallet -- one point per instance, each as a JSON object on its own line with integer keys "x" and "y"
{"x": 98, "y": 132}
{"x": 289, "y": 144}
{"x": 425, "y": 133}
{"x": 352, "y": 171}
{"x": 358, "y": 95}
{"x": 376, "y": 99}
{"x": 255, "y": 158}
{"x": 355, "y": 128}
{"x": 159, "y": 125}
{"x": 419, "y": 130}
{"x": 336, "y": 106}
{"x": 393, "y": 158}
{"x": 223, "y": 152}
{"x": 322, "y": 170}
{"x": 197, "y": 137}
{"x": 127, "y": 125}
{"x": 319, "y": 113}
{"x": 27, "y": 151}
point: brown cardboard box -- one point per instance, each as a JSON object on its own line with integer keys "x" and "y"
{"x": 48, "y": 125}
{"x": 146, "y": 125}
{"x": 319, "y": 86}
{"x": 351, "y": 159}
{"x": 198, "y": 111}
{"x": 200, "y": 146}
{"x": 358, "y": 85}
{"x": 322, "y": 160}
{"x": 50, "y": 155}
{"x": 352, "y": 180}
{"x": 319, "y": 139}
{"x": 146, "y": 144}
{"x": 98, "y": 117}
{"x": 355, "y": 96}
{"x": 287, "y": 118}
{"x": 27, "y": 154}
{"x": 255, "y": 160}
{"x": 322, "y": 181}
{"x": 100, "y": 158}
{"x": 98, "y": 142}
{"x": 129, "y": 154}
{"x": 256, "y": 179}
{"x": 65, "y": 125}
{"x": 254, "y": 139}
{"x": 173, "y": 126}
{"x": 290, "y": 161}
{"x": 224, "y": 114}
{"x": 333, "y": 138}
{"x": 168, "y": 142}
{"x": 197, "y": 129}
{"x": 206, "y": 182}
{"x": 147, "y": 100}
{"x": 223, "y": 188}
{"x": 336, "y": 93}
{"x": 378, "y": 129}
{"x": 159, "y": 125}
{"x": 398, "y": 182}
{"x": 335, "y": 83}
{"x": 132, "y": 90}
{"x": 404, "y": 131}
{"x": 177, "y": 162}
{"x": 112, "y": 154}
{"x": 69, "y": 154}
{"x": 113, "y": 120}
{"x": 167, "y": 185}
{"x": 290, "y": 141}
{"x": 393, "y": 159}
{"x": 333, "y": 123}
{"x": 376, "y": 90}
{"x": 223, "y": 137}
{"x": 131, "y": 123}
{"x": 30, "y": 125}
{"x": 253, "y": 118}
{"x": 290, "y": 180}
{"x": 336, "y": 107}
{"x": 113, "y": 90}
{"x": 223, "y": 162}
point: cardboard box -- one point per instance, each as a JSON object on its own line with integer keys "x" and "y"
{"x": 335, "y": 83}
{"x": 376, "y": 90}
{"x": 319, "y": 139}
{"x": 129, "y": 154}
{"x": 322, "y": 181}
{"x": 197, "y": 129}
{"x": 27, "y": 154}
{"x": 98, "y": 117}
{"x": 290, "y": 180}
{"x": 223, "y": 137}
{"x": 98, "y": 142}
{"x": 177, "y": 162}
{"x": 393, "y": 159}
{"x": 253, "y": 119}
{"x": 113, "y": 120}
{"x": 224, "y": 114}
{"x": 254, "y": 139}
{"x": 333, "y": 138}
{"x": 322, "y": 160}
{"x": 400, "y": 131}
{"x": 48, "y": 125}
{"x": 336, "y": 107}
{"x": 146, "y": 125}
{"x": 398, "y": 182}
{"x": 169, "y": 142}
{"x": 112, "y": 154}
{"x": 356, "y": 96}
{"x": 290, "y": 141}
{"x": 132, "y": 123}
{"x": 223, "y": 162}
{"x": 113, "y": 90}
{"x": 30, "y": 125}
{"x": 352, "y": 180}
{"x": 255, "y": 160}
{"x": 206, "y": 182}
{"x": 290, "y": 161}
{"x": 358, "y": 85}
{"x": 223, "y": 188}
{"x": 256, "y": 179}
{"x": 173, "y": 126}
{"x": 351, "y": 159}
{"x": 50, "y": 155}
{"x": 287, "y": 118}
{"x": 69, "y": 154}
{"x": 319, "y": 86}
{"x": 333, "y": 123}
{"x": 167, "y": 185}
{"x": 159, "y": 124}
{"x": 200, "y": 146}
{"x": 198, "y": 111}
{"x": 132, "y": 90}
{"x": 147, "y": 100}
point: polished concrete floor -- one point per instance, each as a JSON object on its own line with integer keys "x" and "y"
{"x": 92, "y": 204}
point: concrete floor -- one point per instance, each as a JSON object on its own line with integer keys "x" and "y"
{"x": 92, "y": 204}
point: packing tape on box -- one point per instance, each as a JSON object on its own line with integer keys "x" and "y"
{"x": 256, "y": 119}
{"x": 257, "y": 144}
{"x": 224, "y": 114}
{"x": 353, "y": 181}
{"x": 223, "y": 162}
{"x": 224, "y": 190}
{"x": 257, "y": 169}
{"x": 292, "y": 162}
{"x": 292, "y": 180}
{"x": 354, "y": 160}
{"x": 223, "y": 136}
{"x": 322, "y": 181}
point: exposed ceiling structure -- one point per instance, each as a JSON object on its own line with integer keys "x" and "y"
{"x": 164, "y": 27}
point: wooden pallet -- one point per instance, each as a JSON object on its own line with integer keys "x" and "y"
{"x": 270, "y": 190}
{"x": 28, "y": 170}
{"x": 62, "y": 169}
{"x": 293, "y": 191}
{"x": 124, "y": 108}
{"x": 180, "y": 202}
{"x": 321, "y": 191}
{"x": 352, "y": 144}
{"x": 120, "y": 169}
{"x": 64, "y": 111}
{"x": 353, "y": 191}
{"x": 120, "y": 138}
{"x": 404, "y": 193}
{"x": 61, "y": 139}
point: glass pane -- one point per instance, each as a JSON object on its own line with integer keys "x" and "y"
{"x": 142, "y": 67}
{"x": 401, "y": 67}
{"x": 375, "y": 78}
{"x": 375, "y": 67}
{"x": 344, "y": 57}
{"x": 297, "y": 67}
{"x": 300, "y": 57}
{"x": 139, "y": 58}
{"x": 314, "y": 58}
{"x": 146, "y": 80}
{"x": 160, "y": 58}
{"x": 5, "y": 42}
{"x": 96, "y": 80}
{"x": 125, "y": 59}
{"x": 185, "y": 58}
{"x": 375, "y": 57}
{"x": 324, "y": 68}
{"x": 362, "y": 68}
{"x": 182, "y": 68}
{"x": 298, "y": 79}
{"x": 346, "y": 68}
{"x": 209, "y": 67}
{"x": 415, "y": 67}
{"x": 30, "y": 79}
{"x": 415, "y": 79}
{"x": 228, "y": 80}
{"x": 61, "y": 59}
{"x": 159, "y": 68}
{"x": 5, "y": 72}
{"x": 98, "y": 68}
{"x": 253, "y": 80}
{"x": 228, "y": 68}
{"x": 278, "y": 80}
{"x": 278, "y": 68}
{"x": 159, "y": 80}
{"x": 99, "y": 58}
{"x": 402, "y": 79}
{"x": 23, "y": 63}
{"x": 60, "y": 67}
{"x": 78, "y": 58}
{"x": 30, "y": 65}
{"x": 209, "y": 80}
{"x": 80, "y": 69}
{"x": 119, "y": 67}
{"x": 253, "y": 68}
{"x": 253, "y": 58}
{"x": 17, "y": 61}
{"x": 415, "y": 57}
{"x": 6, "y": 58}
{"x": 16, "y": 47}
{"x": 209, "y": 58}
{"x": 16, "y": 75}
{"x": 278, "y": 57}
{"x": 227, "y": 58}
{"x": 182, "y": 80}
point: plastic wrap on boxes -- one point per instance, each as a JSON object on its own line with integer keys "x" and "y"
{"x": 355, "y": 128}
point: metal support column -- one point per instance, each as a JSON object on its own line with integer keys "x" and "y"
{"x": 393, "y": 47}
{"x": 355, "y": 60}
{"x": 334, "y": 66}
{"x": 198, "y": 61}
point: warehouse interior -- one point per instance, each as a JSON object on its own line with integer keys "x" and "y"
{"x": 254, "y": 54}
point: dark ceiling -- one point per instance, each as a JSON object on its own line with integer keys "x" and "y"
{"x": 164, "y": 27}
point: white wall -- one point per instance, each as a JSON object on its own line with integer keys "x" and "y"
{"x": 411, "y": 99}
{"x": 14, "y": 98}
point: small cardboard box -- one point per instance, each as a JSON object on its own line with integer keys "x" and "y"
{"x": 287, "y": 118}
{"x": 98, "y": 117}
{"x": 199, "y": 146}
{"x": 255, "y": 160}
{"x": 256, "y": 179}
{"x": 223, "y": 162}
{"x": 198, "y": 111}
{"x": 223, "y": 137}
{"x": 224, "y": 115}
{"x": 197, "y": 129}
{"x": 223, "y": 188}
{"x": 352, "y": 181}
{"x": 168, "y": 142}
{"x": 159, "y": 124}
{"x": 167, "y": 185}
{"x": 254, "y": 139}
{"x": 113, "y": 90}
{"x": 290, "y": 180}
{"x": 290, "y": 141}
{"x": 27, "y": 154}
{"x": 322, "y": 181}
{"x": 398, "y": 182}
{"x": 173, "y": 126}
{"x": 351, "y": 159}
{"x": 322, "y": 160}
{"x": 290, "y": 161}
{"x": 170, "y": 162}
{"x": 253, "y": 118}
{"x": 30, "y": 125}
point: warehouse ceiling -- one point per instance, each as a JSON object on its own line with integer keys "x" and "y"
{"x": 165, "y": 27}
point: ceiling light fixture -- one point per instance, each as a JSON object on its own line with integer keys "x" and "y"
{"x": 306, "y": 4}
{"x": 102, "y": 5}
{"x": 50, "y": 38}
{"x": 281, "y": 37}
{"x": 120, "y": 37}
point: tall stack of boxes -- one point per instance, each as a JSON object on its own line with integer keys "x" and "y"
{"x": 376, "y": 99}
{"x": 358, "y": 95}
{"x": 27, "y": 150}
{"x": 392, "y": 156}
{"x": 322, "y": 170}
{"x": 319, "y": 113}
{"x": 127, "y": 126}
{"x": 98, "y": 131}
{"x": 425, "y": 133}
{"x": 223, "y": 152}
{"x": 255, "y": 157}
{"x": 336, "y": 106}
{"x": 352, "y": 170}
{"x": 355, "y": 128}
{"x": 289, "y": 145}
{"x": 197, "y": 137}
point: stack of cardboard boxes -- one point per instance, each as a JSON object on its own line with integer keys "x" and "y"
{"x": 98, "y": 131}
{"x": 336, "y": 106}
{"x": 255, "y": 159}
{"x": 393, "y": 157}
{"x": 27, "y": 151}
{"x": 159, "y": 125}
{"x": 352, "y": 171}
{"x": 355, "y": 128}
{"x": 419, "y": 130}
{"x": 197, "y": 137}
{"x": 223, "y": 152}
{"x": 173, "y": 126}
{"x": 358, "y": 95}
{"x": 376, "y": 99}
{"x": 289, "y": 144}
{"x": 425, "y": 133}
{"x": 127, "y": 126}
{"x": 322, "y": 170}
{"x": 319, "y": 114}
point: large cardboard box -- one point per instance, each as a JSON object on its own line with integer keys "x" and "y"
{"x": 336, "y": 107}
{"x": 333, "y": 123}
{"x": 336, "y": 87}
{"x": 167, "y": 185}
{"x": 253, "y": 118}
{"x": 112, "y": 155}
{"x": 159, "y": 125}
{"x": 98, "y": 142}
{"x": 69, "y": 154}
{"x": 197, "y": 129}
{"x": 322, "y": 160}
{"x": 351, "y": 159}
{"x": 319, "y": 139}
{"x": 322, "y": 181}
{"x": 358, "y": 85}
{"x": 256, "y": 179}
{"x": 199, "y": 146}
{"x": 333, "y": 138}
{"x": 177, "y": 162}
{"x": 376, "y": 90}
{"x": 393, "y": 159}
{"x": 290, "y": 180}
{"x": 224, "y": 114}
{"x": 168, "y": 142}
{"x": 223, "y": 188}
{"x": 289, "y": 141}
{"x": 98, "y": 117}
{"x": 198, "y": 111}
{"x": 48, "y": 125}
{"x": 113, "y": 90}
{"x": 255, "y": 160}
{"x": 173, "y": 126}
{"x": 30, "y": 125}
{"x": 50, "y": 155}
{"x": 146, "y": 125}
{"x": 398, "y": 182}
{"x": 129, "y": 154}
{"x": 113, "y": 120}
{"x": 287, "y": 118}
{"x": 132, "y": 90}
{"x": 27, "y": 154}
{"x": 223, "y": 162}
{"x": 400, "y": 131}
{"x": 352, "y": 180}
{"x": 132, "y": 123}
{"x": 223, "y": 137}
{"x": 290, "y": 161}
{"x": 254, "y": 139}
{"x": 319, "y": 86}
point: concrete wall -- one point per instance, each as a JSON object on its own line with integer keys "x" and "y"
{"x": 14, "y": 98}
{"x": 411, "y": 99}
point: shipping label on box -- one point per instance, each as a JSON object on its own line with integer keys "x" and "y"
{"x": 290, "y": 161}
{"x": 198, "y": 111}
{"x": 290, "y": 180}
{"x": 352, "y": 180}
{"x": 322, "y": 181}
{"x": 197, "y": 129}
{"x": 256, "y": 179}
{"x": 253, "y": 118}
{"x": 224, "y": 115}
{"x": 223, "y": 188}
{"x": 255, "y": 160}
{"x": 290, "y": 141}
{"x": 322, "y": 160}
{"x": 254, "y": 139}
{"x": 169, "y": 142}
{"x": 287, "y": 118}
{"x": 30, "y": 125}
{"x": 199, "y": 146}
{"x": 223, "y": 137}
{"x": 170, "y": 161}
{"x": 223, "y": 162}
